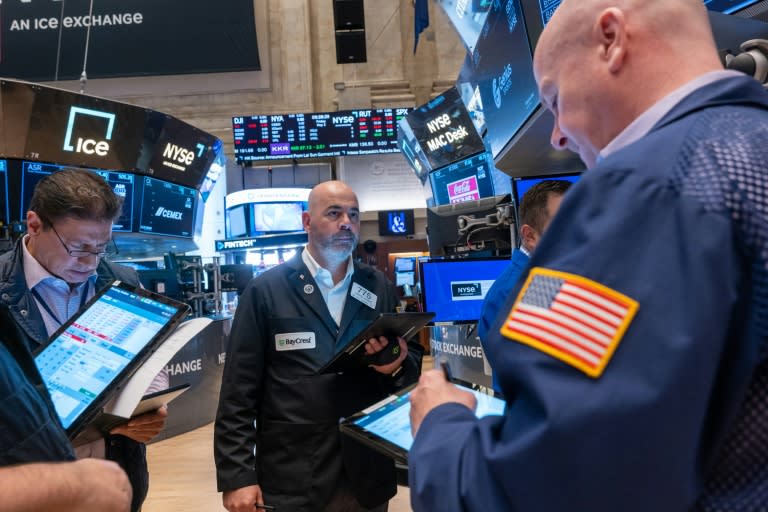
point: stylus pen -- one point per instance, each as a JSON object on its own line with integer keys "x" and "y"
{"x": 265, "y": 507}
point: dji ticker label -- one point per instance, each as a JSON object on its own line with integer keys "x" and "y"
{"x": 88, "y": 146}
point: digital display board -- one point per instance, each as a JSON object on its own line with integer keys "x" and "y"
{"x": 166, "y": 208}
{"x": 444, "y": 130}
{"x": 122, "y": 184}
{"x": 501, "y": 69}
{"x": 46, "y": 40}
{"x": 270, "y": 217}
{"x": 176, "y": 151}
{"x": 329, "y": 134}
{"x": 84, "y": 131}
{"x": 468, "y": 180}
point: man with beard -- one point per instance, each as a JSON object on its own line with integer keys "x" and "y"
{"x": 277, "y": 440}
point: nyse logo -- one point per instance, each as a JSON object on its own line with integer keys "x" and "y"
{"x": 88, "y": 146}
{"x": 181, "y": 155}
{"x": 466, "y": 289}
{"x": 168, "y": 214}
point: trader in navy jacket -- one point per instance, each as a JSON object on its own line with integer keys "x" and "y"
{"x": 277, "y": 439}
{"x": 636, "y": 347}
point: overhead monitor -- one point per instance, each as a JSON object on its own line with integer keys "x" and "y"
{"x": 316, "y": 135}
{"x": 166, "y": 208}
{"x": 84, "y": 130}
{"x": 277, "y": 217}
{"x": 122, "y": 184}
{"x": 467, "y": 180}
{"x": 444, "y": 130}
{"x": 176, "y": 151}
{"x": 455, "y": 289}
{"x": 501, "y": 69}
{"x": 468, "y": 17}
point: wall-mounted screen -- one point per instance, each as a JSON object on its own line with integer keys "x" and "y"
{"x": 122, "y": 184}
{"x": 455, "y": 289}
{"x": 444, "y": 130}
{"x": 315, "y": 135}
{"x": 396, "y": 223}
{"x": 166, "y": 208}
{"x": 501, "y": 68}
{"x": 467, "y": 180}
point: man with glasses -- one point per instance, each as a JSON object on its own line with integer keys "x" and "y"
{"x": 53, "y": 270}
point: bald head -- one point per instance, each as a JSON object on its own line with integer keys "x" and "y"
{"x": 332, "y": 224}
{"x": 614, "y": 59}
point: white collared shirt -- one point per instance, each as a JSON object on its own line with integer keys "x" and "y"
{"x": 335, "y": 297}
{"x": 59, "y": 297}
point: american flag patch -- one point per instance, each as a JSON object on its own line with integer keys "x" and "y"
{"x": 574, "y": 319}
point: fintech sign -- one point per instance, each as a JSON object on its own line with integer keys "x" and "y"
{"x": 46, "y": 40}
{"x": 330, "y": 134}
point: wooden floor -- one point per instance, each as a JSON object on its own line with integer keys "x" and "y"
{"x": 182, "y": 476}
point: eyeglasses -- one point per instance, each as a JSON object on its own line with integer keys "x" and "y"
{"x": 109, "y": 249}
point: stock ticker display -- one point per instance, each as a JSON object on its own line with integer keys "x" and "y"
{"x": 329, "y": 134}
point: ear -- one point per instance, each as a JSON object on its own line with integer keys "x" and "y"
{"x": 34, "y": 223}
{"x": 611, "y": 35}
{"x": 528, "y": 236}
{"x": 305, "y": 220}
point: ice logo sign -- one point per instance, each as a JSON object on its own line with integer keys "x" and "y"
{"x": 89, "y": 146}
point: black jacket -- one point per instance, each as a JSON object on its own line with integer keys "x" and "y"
{"x": 299, "y": 455}
{"x": 28, "y": 328}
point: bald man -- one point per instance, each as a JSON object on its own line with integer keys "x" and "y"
{"x": 635, "y": 346}
{"x": 277, "y": 439}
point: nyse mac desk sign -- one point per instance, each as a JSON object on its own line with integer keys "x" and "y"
{"x": 83, "y": 130}
{"x": 136, "y": 38}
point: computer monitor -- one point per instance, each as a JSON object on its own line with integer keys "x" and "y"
{"x": 454, "y": 289}
{"x": 484, "y": 225}
{"x": 467, "y": 180}
{"x": 521, "y": 185}
{"x": 235, "y": 277}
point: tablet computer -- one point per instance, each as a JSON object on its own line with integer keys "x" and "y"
{"x": 386, "y": 425}
{"x": 97, "y": 350}
{"x": 391, "y": 325}
{"x": 149, "y": 402}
